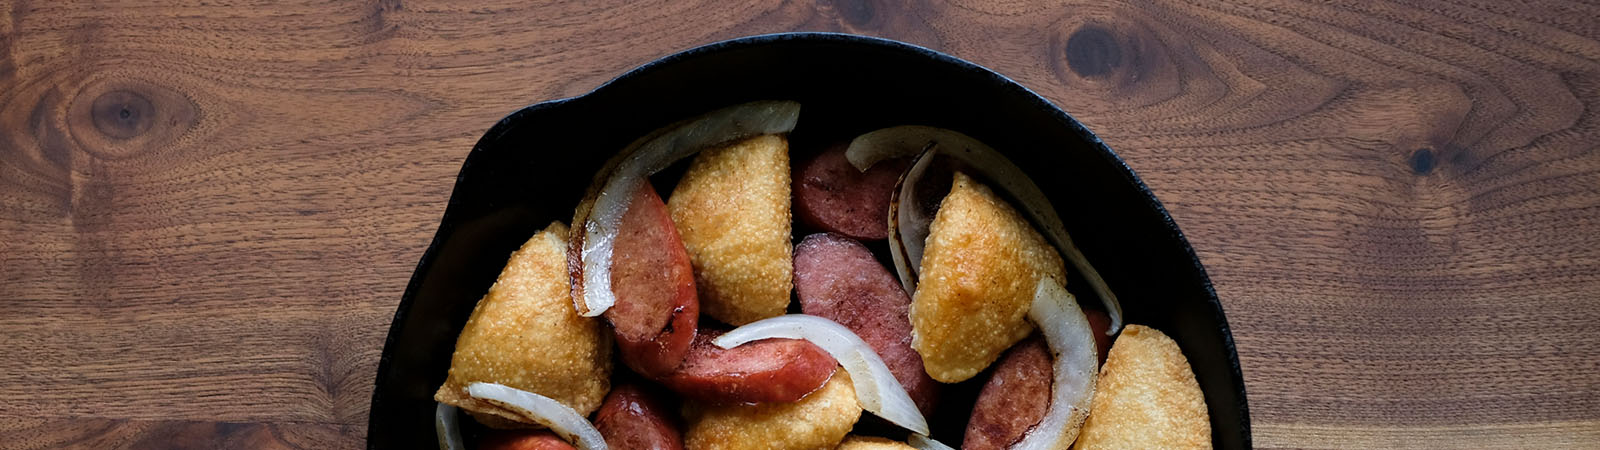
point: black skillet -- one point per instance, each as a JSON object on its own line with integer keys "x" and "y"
{"x": 531, "y": 168}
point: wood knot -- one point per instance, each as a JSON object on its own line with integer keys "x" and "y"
{"x": 1422, "y": 161}
{"x": 856, "y": 13}
{"x": 117, "y": 118}
{"x": 1092, "y": 51}
{"x": 1118, "y": 54}
{"x": 122, "y": 114}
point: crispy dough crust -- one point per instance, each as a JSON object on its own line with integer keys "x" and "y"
{"x": 818, "y": 421}
{"x": 872, "y": 443}
{"x": 1146, "y": 397}
{"x": 525, "y": 334}
{"x": 732, "y": 211}
{"x": 980, "y": 267}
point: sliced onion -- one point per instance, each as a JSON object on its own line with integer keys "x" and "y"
{"x": 922, "y": 442}
{"x": 876, "y": 387}
{"x": 909, "y": 140}
{"x": 899, "y": 142}
{"x": 447, "y": 428}
{"x": 644, "y": 158}
{"x": 913, "y": 220}
{"x": 1076, "y": 364}
{"x": 560, "y": 418}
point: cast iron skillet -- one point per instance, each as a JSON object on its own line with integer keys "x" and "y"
{"x": 532, "y": 167}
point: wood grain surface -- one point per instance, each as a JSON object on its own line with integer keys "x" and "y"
{"x": 208, "y": 211}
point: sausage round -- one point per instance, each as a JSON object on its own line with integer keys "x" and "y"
{"x": 634, "y": 419}
{"x": 1098, "y": 323}
{"x": 523, "y": 440}
{"x": 832, "y": 195}
{"x": 656, "y": 312}
{"x": 837, "y": 278}
{"x": 768, "y": 370}
{"x": 1014, "y": 399}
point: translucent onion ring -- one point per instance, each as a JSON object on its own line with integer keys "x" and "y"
{"x": 560, "y": 418}
{"x": 447, "y": 428}
{"x": 1076, "y": 364}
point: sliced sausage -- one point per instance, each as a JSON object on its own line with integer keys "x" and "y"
{"x": 657, "y": 311}
{"x": 523, "y": 440}
{"x": 769, "y": 370}
{"x": 1014, "y": 399}
{"x": 1098, "y": 323}
{"x": 837, "y": 278}
{"x": 635, "y": 419}
{"x": 832, "y": 195}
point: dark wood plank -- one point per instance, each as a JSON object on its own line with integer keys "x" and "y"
{"x": 208, "y": 211}
{"x": 164, "y": 434}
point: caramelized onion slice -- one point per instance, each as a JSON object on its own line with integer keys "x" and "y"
{"x": 447, "y": 427}
{"x": 603, "y": 216}
{"x": 978, "y": 159}
{"x": 1076, "y": 365}
{"x": 560, "y": 418}
{"x": 876, "y": 387}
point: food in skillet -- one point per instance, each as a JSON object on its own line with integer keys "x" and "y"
{"x": 634, "y": 417}
{"x": 819, "y": 420}
{"x": 523, "y": 336}
{"x": 524, "y": 440}
{"x": 838, "y": 279}
{"x": 1148, "y": 397}
{"x": 980, "y": 265}
{"x": 656, "y": 310}
{"x": 732, "y": 208}
{"x": 832, "y": 195}
{"x": 872, "y": 443}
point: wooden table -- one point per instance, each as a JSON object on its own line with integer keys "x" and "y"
{"x": 208, "y": 212}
